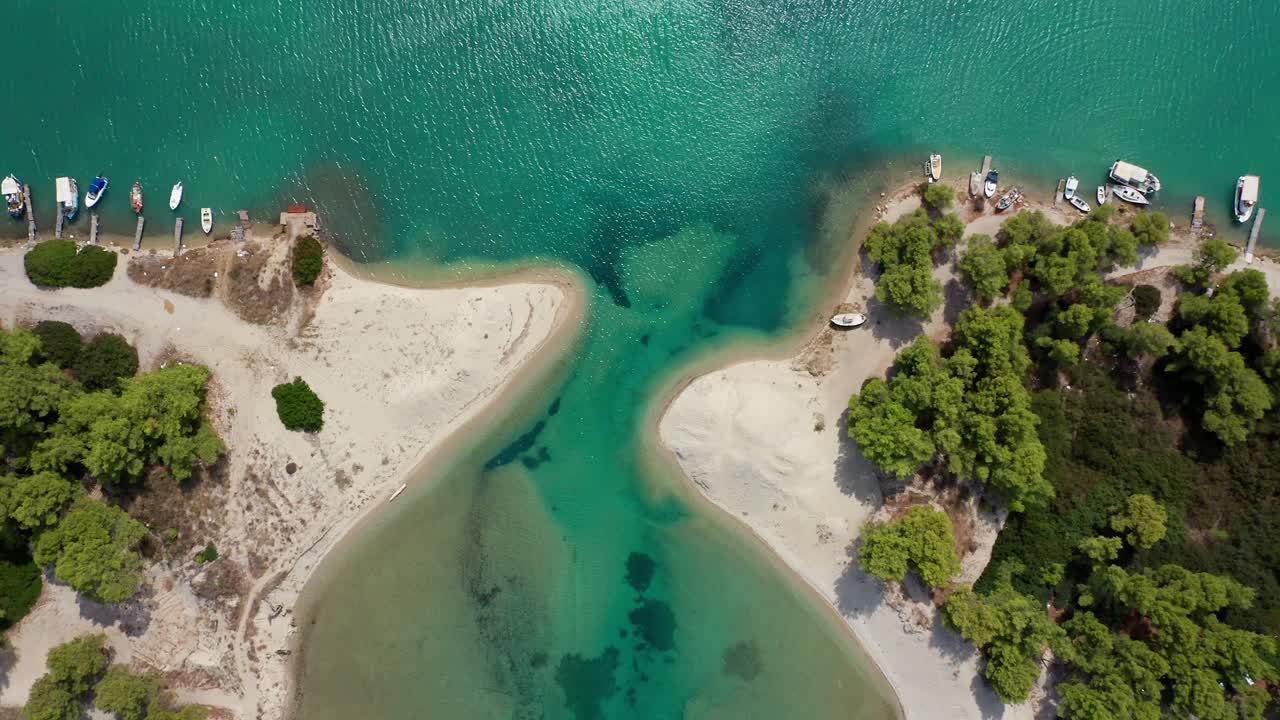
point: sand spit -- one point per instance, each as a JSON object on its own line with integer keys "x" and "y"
{"x": 400, "y": 369}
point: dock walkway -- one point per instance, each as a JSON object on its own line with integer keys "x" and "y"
{"x": 93, "y": 228}
{"x": 1197, "y": 215}
{"x": 31, "y": 214}
{"x": 137, "y": 233}
{"x": 58, "y": 222}
{"x": 1254, "y": 232}
{"x": 177, "y": 237}
{"x": 1061, "y": 193}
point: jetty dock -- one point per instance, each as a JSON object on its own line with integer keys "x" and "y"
{"x": 1061, "y": 193}
{"x": 241, "y": 225}
{"x": 1254, "y": 232}
{"x": 57, "y": 223}
{"x": 93, "y": 228}
{"x": 976, "y": 179}
{"x": 137, "y": 233}
{"x": 1197, "y": 215}
{"x": 177, "y": 237}
{"x": 31, "y": 214}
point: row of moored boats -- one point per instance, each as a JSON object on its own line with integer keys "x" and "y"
{"x": 68, "y": 198}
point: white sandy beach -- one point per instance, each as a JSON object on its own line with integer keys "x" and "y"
{"x": 765, "y": 440}
{"x": 400, "y": 370}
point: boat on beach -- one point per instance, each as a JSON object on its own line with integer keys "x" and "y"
{"x": 1072, "y": 183}
{"x": 1008, "y": 199}
{"x": 135, "y": 197}
{"x": 11, "y": 187}
{"x": 1138, "y": 178}
{"x": 1246, "y": 197}
{"x": 206, "y": 220}
{"x": 1078, "y": 203}
{"x": 848, "y": 320}
{"x": 94, "y": 193}
{"x": 935, "y": 167}
{"x": 993, "y": 180}
{"x": 68, "y": 196}
{"x": 1102, "y": 195}
{"x": 1129, "y": 195}
{"x": 175, "y": 196}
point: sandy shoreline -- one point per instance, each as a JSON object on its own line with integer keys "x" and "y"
{"x": 401, "y": 369}
{"x": 760, "y": 434}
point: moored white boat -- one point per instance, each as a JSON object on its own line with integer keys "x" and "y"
{"x": 1070, "y": 191}
{"x": 95, "y": 191}
{"x": 848, "y": 320}
{"x": 11, "y": 187}
{"x": 1128, "y": 194}
{"x": 1246, "y": 196}
{"x": 135, "y": 197}
{"x": 935, "y": 167}
{"x": 175, "y": 197}
{"x": 67, "y": 196}
{"x": 1078, "y": 203}
{"x": 1103, "y": 192}
{"x": 206, "y": 220}
{"x": 993, "y": 181}
{"x": 1138, "y": 178}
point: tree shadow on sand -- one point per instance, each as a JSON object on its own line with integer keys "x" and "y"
{"x": 133, "y": 617}
{"x": 8, "y": 657}
{"x": 855, "y": 475}
{"x": 857, "y": 593}
{"x": 887, "y": 325}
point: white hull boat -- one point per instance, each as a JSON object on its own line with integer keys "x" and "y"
{"x": 1129, "y": 195}
{"x": 1102, "y": 195}
{"x": 993, "y": 180}
{"x": 1078, "y": 203}
{"x": 1072, "y": 184}
{"x": 95, "y": 191}
{"x": 68, "y": 196}
{"x": 1246, "y": 197}
{"x": 848, "y": 320}
{"x": 206, "y": 220}
{"x": 1136, "y": 177}
{"x": 11, "y": 187}
{"x": 935, "y": 167}
{"x": 175, "y": 197}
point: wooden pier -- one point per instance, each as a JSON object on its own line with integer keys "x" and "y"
{"x": 93, "y": 228}
{"x": 177, "y": 237}
{"x": 58, "y": 222}
{"x": 137, "y": 234}
{"x": 1197, "y": 215}
{"x": 1254, "y": 232}
{"x": 1061, "y": 193}
{"x": 31, "y": 214}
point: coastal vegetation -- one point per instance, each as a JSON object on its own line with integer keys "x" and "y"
{"x": 904, "y": 251}
{"x": 308, "y": 260}
{"x": 60, "y": 436}
{"x": 1139, "y": 553}
{"x": 57, "y": 263}
{"x": 298, "y": 407}
{"x": 921, "y": 540}
{"x": 937, "y": 197}
{"x": 81, "y": 666}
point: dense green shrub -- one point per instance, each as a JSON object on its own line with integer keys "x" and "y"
{"x": 55, "y": 263}
{"x": 125, "y": 695}
{"x": 20, "y": 585}
{"x": 921, "y": 540}
{"x": 92, "y": 550}
{"x": 1151, "y": 228}
{"x": 1146, "y": 300}
{"x": 904, "y": 252}
{"x": 76, "y": 664}
{"x": 936, "y": 196}
{"x": 298, "y": 406}
{"x": 60, "y": 343}
{"x": 104, "y": 360}
{"x": 308, "y": 259}
{"x": 207, "y": 555}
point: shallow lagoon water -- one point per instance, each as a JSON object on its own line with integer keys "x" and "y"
{"x": 702, "y": 161}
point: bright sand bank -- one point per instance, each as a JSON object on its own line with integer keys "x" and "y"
{"x": 400, "y": 369}
{"x": 764, "y": 439}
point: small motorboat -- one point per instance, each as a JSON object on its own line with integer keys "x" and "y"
{"x": 11, "y": 187}
{"x": 1102, "y": 195}
{"x": 848, "y": 320}
{"x": 935, "y": 167}
{"x": 1072, "y": 184}
{"x": 175, "y": 197}
{"x": 1129, "y": 195}
{"x": 95, "y": 191}
{"x": 206, "y": 220}
{"x": 67, "y": 196}
{"x": 1246, "y": 197}
{"x": 1078, "y": 203}
{"x": 1008, "y": 199}
{"x": 1141, "y": 179}
{"x": 135, "y": 198}
{"x": 993, "y": 180}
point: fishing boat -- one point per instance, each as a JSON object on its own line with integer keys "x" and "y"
{"x": 1136, "y": 177}
{"x": 848, "y": 320}
{"x": 135, "y": 198}
{"x": 1102, "y": 195}
{"x": 11, "y": 187}
{"x": 993, "y": 179}
{"x": 1246, "y": 197}
{"x": 206, "y": 220}
{"x": 935, "y": 167}
{"x": 175, "y": 197}
{"x": 68, "y": 196}
{"x": 1129, "y": 195}
{"x": 1072, "y": 184}
{"x": 1078, "y": 203}
{"x": 1008, "y": 199}
{"x": 94, "y": 193}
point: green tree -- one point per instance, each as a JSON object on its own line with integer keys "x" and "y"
{"x": 1059, "y": 352}
{"x": 1022, "y": 298}
{"x": 92, "y": 550}
{"x": 1146, "y": 300}
{"x": 30, "y": 393}
{"x": 298, "y": 406}
{"x": 1235, "y": 396}
{"x": 38, "y": 500}
{"x": 1222, "y": 315}
{"x": 49, "y": 700}
{"x": 59, "y": 342}
{"x": 910, "y": 289}
{"x": 936, "y": 196}
{"x": 983, "y": 268}
{"x": 76, "y": 664}
{"x": 1073, "y": 323}
{"x": 949, "y": 229}
{"x": 125, "y": 695}
{"x": 1012, "y": 630}
{"x": 1212, "y": 257}
{"x": 1150, "y": 228}
{"x": 1143, "y": 521}
{"x": 1144, "y": 339}
{"x": 104, "y": 361}
{"x": 308, "y": 260}
{"x": 903, "y": 251}
{"x": 922, "y": 539}
{"x": 56, "y": 263}
{"x": 1249, "y": 288}
{"x": 1101, "y": 550}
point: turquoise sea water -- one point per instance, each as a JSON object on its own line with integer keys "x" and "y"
{"x": 701, "y": 161}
